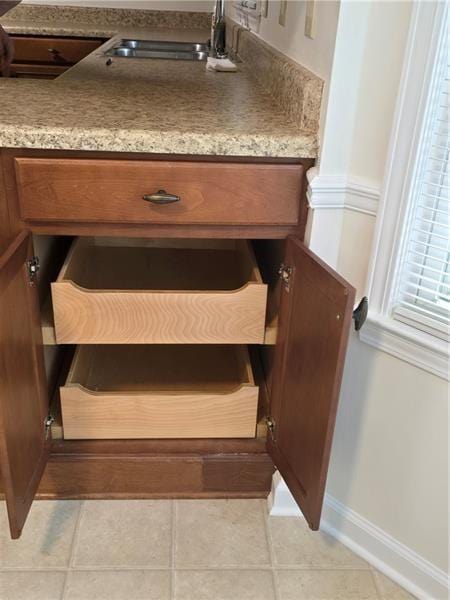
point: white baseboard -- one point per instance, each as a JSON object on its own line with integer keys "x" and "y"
{"x": 398, "y": 562}
{"x": 339, "y": 191}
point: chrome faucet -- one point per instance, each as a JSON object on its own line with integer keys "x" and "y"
{"x": 217, "y": 43}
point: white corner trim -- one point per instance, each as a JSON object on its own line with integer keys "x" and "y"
{"x": 407, "y": 343}
{"x": 340, "y": 191}
{"x": 396, "y": 560}
{"x": 280, "y": 501}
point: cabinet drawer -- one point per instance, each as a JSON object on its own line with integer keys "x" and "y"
{"x": 159, "y": 392}
{"x": 62, "y": 51}
{"x": 118, "y": 291}
{"x": 37, "y": 71}
{"x": 112, "y": 191}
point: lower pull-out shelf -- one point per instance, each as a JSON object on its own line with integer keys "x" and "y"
{"x": 159, "y": 391}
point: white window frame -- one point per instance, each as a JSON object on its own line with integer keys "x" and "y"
{"x": 427, "y": 33}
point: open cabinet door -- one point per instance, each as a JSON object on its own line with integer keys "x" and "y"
{"x": 23, "y": 394}
{"x": 314, "y": 323}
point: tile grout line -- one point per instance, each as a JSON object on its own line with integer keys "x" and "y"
{"x": 270, "y": 548}
{"x": 172, "y": 549}
{"x": 64, "y": 588}
{"x": 72, "y": 549}
{"x": 193, "y": 568}
{"x": 76, "y": 535}
{"x": 377, "y": 588}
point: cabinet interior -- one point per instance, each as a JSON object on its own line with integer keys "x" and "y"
{"x": 119, "y": 263}
{"x": 160, "y": 367}
{"x": 136, "y": 264}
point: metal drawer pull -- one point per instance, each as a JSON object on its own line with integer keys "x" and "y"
{"x": 161, "y": 197}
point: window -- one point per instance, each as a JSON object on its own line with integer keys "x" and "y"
{"x": 422, "y": 295}
{"x": 409, "y": 288}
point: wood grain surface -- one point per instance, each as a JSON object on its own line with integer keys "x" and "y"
{"x": 159, "y": 392}
{"x": 23, "y": 387}
{"x": 314, "y": 325}
{"x": 113, "y": 294}
{"x": 111, "y": 191}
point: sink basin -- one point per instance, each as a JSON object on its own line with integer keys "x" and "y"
{"x": 159, "y": 49}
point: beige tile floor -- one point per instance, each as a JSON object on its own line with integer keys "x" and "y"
{"x": 181, "y": 550}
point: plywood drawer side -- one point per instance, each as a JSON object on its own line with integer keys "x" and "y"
{"x": 113, "y": 416}
{"x": 112, "y": 191}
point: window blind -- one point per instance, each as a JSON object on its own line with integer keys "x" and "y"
{"x": 422, "y": 296}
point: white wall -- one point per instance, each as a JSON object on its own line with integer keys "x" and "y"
{"x": 183, "y": 5}
{"x": 363, "y": 88}
{"x": 387, "y": 30}
{"x": 316, "y": 54}
{"x": 336, "y": 147}
{"x": 390, "y": 452}
{"x": 389, "y": 460}
{"x": 389, "y": 464}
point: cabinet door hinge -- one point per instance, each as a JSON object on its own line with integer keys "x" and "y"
{"x": 49, "y": 420}
{"x": 33, "y": 267}
{"x": 285, "y": 274}
{"x": 271, "y": 427}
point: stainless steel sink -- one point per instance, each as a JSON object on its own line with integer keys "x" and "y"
{"x": 159, "y": 49}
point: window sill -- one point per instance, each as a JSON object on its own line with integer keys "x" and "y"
{"x": 415, "y": 347}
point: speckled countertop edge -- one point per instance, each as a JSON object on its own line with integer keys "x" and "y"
{"x": 158, "y": 142}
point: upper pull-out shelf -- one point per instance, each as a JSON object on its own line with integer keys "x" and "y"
{"x": 118, "y": 291}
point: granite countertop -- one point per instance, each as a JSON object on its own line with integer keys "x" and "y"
{"x": 145, "y": 105}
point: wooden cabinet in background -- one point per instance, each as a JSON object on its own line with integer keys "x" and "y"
{"x": 218, "y": 425}
{"x": 48, "y": 57}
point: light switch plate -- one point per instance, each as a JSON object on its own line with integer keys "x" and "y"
{"x": 310, "y": 19}
{"x": 248, "y": 13}
{"x": 282, "y": 15}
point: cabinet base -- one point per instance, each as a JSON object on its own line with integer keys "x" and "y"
{"x": 81, "y": 470}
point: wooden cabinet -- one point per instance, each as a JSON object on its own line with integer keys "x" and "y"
{"x": 24, "y": 434}
{"x": 175, "y": 389}
{"x": 48, "y": 56}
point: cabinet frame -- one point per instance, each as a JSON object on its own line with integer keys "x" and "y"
{"x": 172, "y": 468}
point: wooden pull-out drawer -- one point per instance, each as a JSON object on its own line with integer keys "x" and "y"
{"x": 126, "y": 192}
{"x": 159, "y": 291}
{"x": 159, "y": 392}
